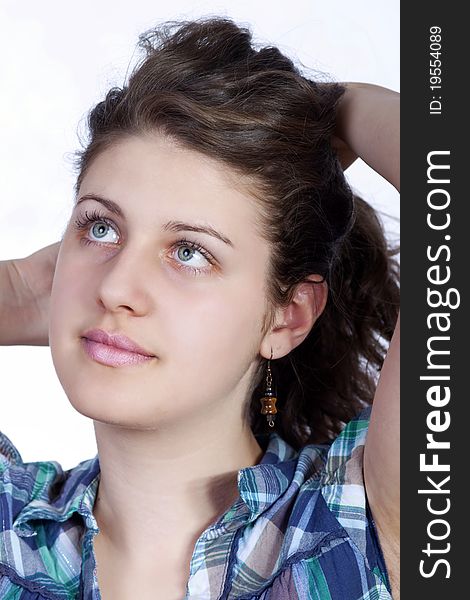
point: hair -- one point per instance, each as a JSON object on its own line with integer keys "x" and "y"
{"x": 206, "y": 85}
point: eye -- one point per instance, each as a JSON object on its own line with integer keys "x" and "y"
{"x": 98, "y": 227}
{"x": 190, "y": 256}
{"x": 186, "y": 251}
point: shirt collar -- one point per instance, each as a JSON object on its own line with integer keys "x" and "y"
{"x": 262, "y": 484}
{"x": 259, "y": 487}
{"x": 77, "y": 494}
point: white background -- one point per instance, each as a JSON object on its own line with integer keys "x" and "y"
{"x": 58, "y": 59}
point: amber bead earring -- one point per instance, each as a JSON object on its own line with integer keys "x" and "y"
{"x": 268, "y": 401}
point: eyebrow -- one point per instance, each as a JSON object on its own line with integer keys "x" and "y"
{"x": 169, "y": 226}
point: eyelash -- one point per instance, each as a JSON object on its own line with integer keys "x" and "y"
{"x": 83, "y": 222}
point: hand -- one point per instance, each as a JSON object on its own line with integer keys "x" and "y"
{"x": 24, "y": 300}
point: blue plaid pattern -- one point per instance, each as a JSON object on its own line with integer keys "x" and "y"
{"x": 300, "y": 528}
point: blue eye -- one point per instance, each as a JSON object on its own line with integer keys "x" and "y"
{"x": 101, "y": 226}
{"x": 188, "y": 252}
{"x": 185, "y": 250}
{"x": 97, "y": 227}
{"x": 100, "y": 229}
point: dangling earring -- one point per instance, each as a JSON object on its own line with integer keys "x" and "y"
{"x": 268, "y": 402}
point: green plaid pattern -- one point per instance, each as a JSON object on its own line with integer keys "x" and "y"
{"x": 300, "y": 528}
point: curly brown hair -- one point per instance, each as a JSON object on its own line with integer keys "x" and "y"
{"x": 206, "y": 85}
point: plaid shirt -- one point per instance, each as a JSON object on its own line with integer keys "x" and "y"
{"x": 300, "y": 528}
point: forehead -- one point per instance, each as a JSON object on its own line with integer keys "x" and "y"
{"x": 160, "y": 179}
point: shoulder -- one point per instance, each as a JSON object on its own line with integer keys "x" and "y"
{"x": 342, "y": 481}
{"x": 343, "y": 500}
{"x": 22, "y": 483}
{"x": 323, "y": 578}
{"x": 339, "y": 486}
{"x": 9, "y": 454}
{"x": 14, "y": 471}
{"x": 40, "y": 534}
{"x": 32, "y": 491}
{"x": 318, "y": 529}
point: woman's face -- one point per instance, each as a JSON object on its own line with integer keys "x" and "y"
{"x": 198, "y": 311}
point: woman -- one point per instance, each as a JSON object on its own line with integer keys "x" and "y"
{"x": 215, "y": 261}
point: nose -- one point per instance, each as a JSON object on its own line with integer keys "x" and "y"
{"x": 124, "y": 284}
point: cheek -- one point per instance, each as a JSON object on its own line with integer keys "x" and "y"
{"x": 217, "y": 328}
{"x": 67, "y": 295}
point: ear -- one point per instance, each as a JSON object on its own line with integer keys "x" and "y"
{"x": 294, "y": 322}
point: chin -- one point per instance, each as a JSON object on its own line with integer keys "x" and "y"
{"x": 109, "y": 410}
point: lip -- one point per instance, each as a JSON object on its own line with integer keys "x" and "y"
{"x": 113, "y": 349}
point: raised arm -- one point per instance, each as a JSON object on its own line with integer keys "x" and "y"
{"x": 25, "y": 287}
{"x": 369, "y": 123}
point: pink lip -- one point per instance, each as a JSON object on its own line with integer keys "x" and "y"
{"x": 115, "y": 350}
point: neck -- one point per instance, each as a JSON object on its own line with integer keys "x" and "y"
{"x": 168, "y": 484}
